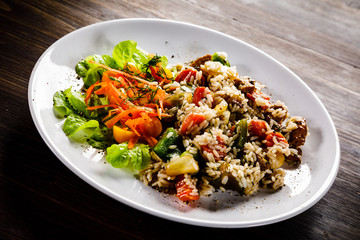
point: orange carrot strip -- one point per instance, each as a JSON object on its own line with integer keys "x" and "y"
{"x": 132, "y": 142}
{"x": 132, "y": 124}
{"x": 130, "y": 91}
{"x": 156, "y": 114}
{"x": 156, "y": 108}
{"x": 124, "y": 73}
{"x": 151, "y": 140}
{"x": 111, "y": 112}
{"x": 89, "y": 92}
{"x": 134, "y": 111}
{"x": 116, "y": 96}
{"x": 103, "y": 89}
{"x": 102, "y": 106}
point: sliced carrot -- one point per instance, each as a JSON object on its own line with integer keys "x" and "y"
{"x": 124, "y": 73}
{"x": 112, "y": 112}
{"x": 151, "y": 140}
{"x": 89, "y": 92}
{"x": 132, "y": 142}
{"x": 137, "y": 104}
{"x": 102, "y": 106}
{"x": 160, "y": 96}
{"x": 134, "y": 111}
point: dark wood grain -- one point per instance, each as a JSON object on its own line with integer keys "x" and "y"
{"x": 41, "y": 199}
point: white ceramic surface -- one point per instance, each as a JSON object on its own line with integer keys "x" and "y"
{"x": 183, "y": 42}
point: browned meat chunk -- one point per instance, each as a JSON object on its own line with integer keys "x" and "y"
{"x": 234, "y": 100}
{"x": 294, "y": 159}
{"x": 279, "y": 118}
{"x": 248, "y": 89}
{"x": 200, "y": 61}
{"x": 245, "y": 85}
{"x": 264, "y": 165}
{"x": 298, "y": 136}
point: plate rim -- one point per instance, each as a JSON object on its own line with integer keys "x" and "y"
{"x": 327, "y": 184}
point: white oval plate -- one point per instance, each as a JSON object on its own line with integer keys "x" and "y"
{"x": 183, "y": 42}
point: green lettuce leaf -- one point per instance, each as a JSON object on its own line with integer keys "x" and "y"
{"x": 77, "y": 101}
{"x": 61, "y": 105}
{"x": 164, "y": 61}
{"x": 79, "y": 129}
{"x": 90, "y": 72}
{"x": 119, "y": 156}
{"x": 127, "y": 51}
{"x": 102, "y": 137}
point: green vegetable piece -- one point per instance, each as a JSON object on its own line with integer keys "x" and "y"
{"x": 216, "y": 58}
{"x": 79, "y": 129}
{"x": 187, "y": 88}
{"x": 92, "y": 72}
{"x": 119, "y": 156}
{"x": 164, "y": 61}
{"x": 174, "y": 153}
{"x": 196, "y": 155}
{"x": 243, "y": 131}
{"x": 61, "y": 106}
{"x": 81, "y": 69}
{"x": 102, "y": 137}
{"x": 127, "y": 51}
{"x": 170, "y": 137}
{"x": 77, "y": 102}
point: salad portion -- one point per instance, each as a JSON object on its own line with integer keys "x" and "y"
{"x": 189, "y": 129}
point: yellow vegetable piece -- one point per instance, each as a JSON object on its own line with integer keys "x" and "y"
{"x": 122, "y": 135}
{"x": 131, "y": 68}
{"x": 226, "y": 116}
{"x": 280, "y": 159}
{"x": 220, "y": 108}
{"x": 168, "y": 73}
{"x": 182, "y": 165}
{"x": 188, "y": 97}
{"x": 155, "y": 156}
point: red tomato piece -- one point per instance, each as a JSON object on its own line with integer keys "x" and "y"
{"x": 195, "y": 118}
{"x": 270, "y": 138}
{"x": 184, "y": 191}
{"x": 199, "y": 94}
{"x": 258, "y": 128}
{"x": 257, "y": 94}
{"x": 187, "y": 74}
{"x": 206, "y": 148}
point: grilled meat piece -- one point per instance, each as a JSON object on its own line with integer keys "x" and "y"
{"x": 200, "y": 61}
{"x": 298, "y": 136}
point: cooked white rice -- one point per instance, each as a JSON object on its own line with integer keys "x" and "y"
{"x": 226, "y": 103}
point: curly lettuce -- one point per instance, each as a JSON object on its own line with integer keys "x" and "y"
{"x": 90, "y": 72}
{"x": 82, "y": 130}
{"x": 61, "y": 105}
{"x": 127, "y": 51}
{"x": 84, "y": 125}
{"x": 119, "y": 156}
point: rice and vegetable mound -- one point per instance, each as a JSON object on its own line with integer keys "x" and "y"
{"x": 189, "y": 129}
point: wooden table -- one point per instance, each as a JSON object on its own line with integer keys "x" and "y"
{"x": 41, "y": 199}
